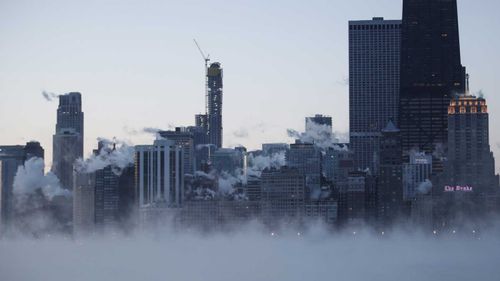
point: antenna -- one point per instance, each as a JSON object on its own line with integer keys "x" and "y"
{"x": 467, "y": 83}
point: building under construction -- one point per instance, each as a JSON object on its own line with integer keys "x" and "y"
{"x": 214, "y": 104}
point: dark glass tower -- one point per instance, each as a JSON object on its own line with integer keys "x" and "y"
{"x": 214, "y": 104}
{"x": 431, "y": 72}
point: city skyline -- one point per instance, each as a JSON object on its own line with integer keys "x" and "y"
{"x": 259, "y": 121}
{"x": 215, "y": 140}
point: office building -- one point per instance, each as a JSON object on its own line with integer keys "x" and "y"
{"x": 306, "y": 158}
{"x": 228, "y": 160}
{"x": 159, "y": 179}
{"x": 470, "y": 160}
{"x": 185, "y": 138}
{"x": 416, "y": 173}
{"x": 352, "y": 200}
{"x": 68, "y": 138}
{"x": 431, "y": 73}
{"x": 283, "y": 195}
{"x": 320, "y": 124}
{"x": 84, "y": 204}
{"x": 390, "y": 186}
{"x": 269, "y": 149}
{"x": 67, "y": 148}
{"x": 374, "y": 69}
{"x": 11, "y": 157}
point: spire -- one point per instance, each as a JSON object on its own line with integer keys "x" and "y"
{"x": 390, "y": 128}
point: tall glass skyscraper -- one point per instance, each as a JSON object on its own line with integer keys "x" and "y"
{"x": 374, "y": 61}
{"x": 68, "y": 140}
{"x": 431, "y": 72}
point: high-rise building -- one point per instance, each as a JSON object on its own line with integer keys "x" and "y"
{"x": 67, "y": 148}
{"x": 417, "y": 173}
{"x": 84, "y": 204}
{"x": 306, "y": 158}
{"x": 33, "y": 149}
{"x": 69, "y": 113}
{"x": 322, "y": 121}
{"x": 337, "y": 162}
{"x": 185, "y": 138}
{"x": 11, "y": 157}
{"x": 201, "y": 149}
{"x": 68, "y": 138}
{"x": 228, "y": 160}
{"x": 390, "y": 186}
{"x": 214, "y": 104}
{"x": 283, "y": 194}
{"x": 159, "y": 179}
{"x": 374, "y": 68}
{"x": 352, "y": 199}
{"x": 470, "y": 160}
{"x": 114, "y": 197}
{"x": 431, "y": 73}
{"x": 269, "y": 149}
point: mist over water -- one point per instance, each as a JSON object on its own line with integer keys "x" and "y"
{"x": 253, "y": 254}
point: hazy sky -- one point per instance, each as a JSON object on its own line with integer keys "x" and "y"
{"x": 136, "y": 65}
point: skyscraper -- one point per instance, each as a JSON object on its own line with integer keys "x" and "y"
{"x": 470, "y": 160}
{"x": 416, "y": 173}
{"x": 184, "y": 138}
{"x": 306, "y": 158}
{"x": 67, "y": 148}
{"x": 431, "y": 72}
{"x": 68, "y": 139}
{"x": 390, "y": 187}
{"x": 320, "y": 124}
{"x": 374, "y": 62}
{"x": 283, "y": 194}
{"x": 11, "y": 157}
{"x": 159, "y": 180}
{"x": 214, "y": 104}
{"x": 69, "y": 113}
{"x": 84, "y": 204}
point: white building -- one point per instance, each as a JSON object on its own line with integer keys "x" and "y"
{"x": 159, "y": 178}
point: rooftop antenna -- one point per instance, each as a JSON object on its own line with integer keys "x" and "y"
{"x": 467, "y": 84}
{"x": 207, "y": 60}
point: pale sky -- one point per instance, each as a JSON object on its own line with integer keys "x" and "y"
{"x": 136, "y": 65}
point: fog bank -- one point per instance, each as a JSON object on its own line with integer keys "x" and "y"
{"x": 253, "y": 256}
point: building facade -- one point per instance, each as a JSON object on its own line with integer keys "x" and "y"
{"x": 390, "y": 186}
{"x": 416, "y": 173}
{"x": 374, "y": 69}
{"x": 431, "y": 73}
{"x": 68, "y": 138}
{"x": 214, "y": 104}
{"x": 11, "y": 158}
{"x": 159, "y": 179}
{"x": 283, "y": 195}
{"x": 470, "y": 160}
{"x": 67, "y": 148}
{"x": 306, "y": 158}
{"x": 185, "y": 138}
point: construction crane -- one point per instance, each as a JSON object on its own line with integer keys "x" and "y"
{"x": 206, "y": 58}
